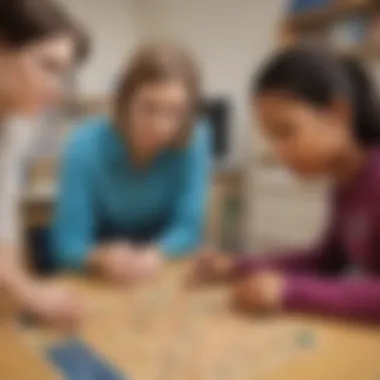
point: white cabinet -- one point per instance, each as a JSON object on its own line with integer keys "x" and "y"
{"x": 281, "y": 211}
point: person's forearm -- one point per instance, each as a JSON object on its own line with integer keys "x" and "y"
{"x": 14, "y": 283}
{"x": 342, "y": 298}
{"x": 12, "y": 267}
{"x": 94, "y": 261}
{"x": 302, "y": 260}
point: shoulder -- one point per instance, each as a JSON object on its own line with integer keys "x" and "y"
{"x": 17, "y": 137}
{"x": 84, "y": 145}
{"x": 84, "y": 142}
{"x": 201, "y": 138}
{"x": 202, "y": 132}
{"x": 89, "y": 131}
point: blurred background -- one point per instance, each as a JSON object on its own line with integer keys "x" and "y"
{"x": 254, "y": 203}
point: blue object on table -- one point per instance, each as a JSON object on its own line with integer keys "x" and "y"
{"x": 307, "y": 5}
{"x": 78, "y": 362}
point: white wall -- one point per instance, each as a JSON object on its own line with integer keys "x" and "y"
{"x": 230, "y": 37}
{"x": 114, "y": 31}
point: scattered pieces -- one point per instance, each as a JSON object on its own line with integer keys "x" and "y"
{"x": 305, "y": 339}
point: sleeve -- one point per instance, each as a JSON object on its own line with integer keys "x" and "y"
{"x": 15, "y": 142}
{"x": 300, "y": 260}
{"x": 184, "y": 234}
{"x": 74, "y": 217}
{"x": 354, "y": 299}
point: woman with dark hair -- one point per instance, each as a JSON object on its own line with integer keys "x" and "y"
{"x": 39, "y": 44}
{"x": 133, "y": 188}
{"x": 322, "y": 115}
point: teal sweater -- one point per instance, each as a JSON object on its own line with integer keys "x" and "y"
{"x": 102, "y": 196}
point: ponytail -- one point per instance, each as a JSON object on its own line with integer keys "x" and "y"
{"x": 319, "y": 77}
{"x": 365, "y": 102}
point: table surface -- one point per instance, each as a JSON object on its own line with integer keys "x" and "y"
{"x": 167, "y": 331}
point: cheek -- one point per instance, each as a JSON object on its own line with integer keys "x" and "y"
{"x": 32, "y": 89}
{"x": 14, "y": 81}
{"x": 152, "y": 131}
{"x": 41, "y": 85}
{"x": 158, "y": 135}
{"x": 312, "y": 151}
{"x": 142, "y": 131}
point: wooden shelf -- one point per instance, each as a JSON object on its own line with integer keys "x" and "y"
{"x": 308, "y": 20}
{"x": 366, "y": 51}
{"x": 87, "y": 105}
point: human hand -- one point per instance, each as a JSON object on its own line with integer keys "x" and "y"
{"x": 147, "y": 263}
{"x": 113, "y": 262}
{"x": 123, "y": 263}
{"x": 262, "y": 291}
{"x": 52, "y": 303}
{"x": 211, "y": 266}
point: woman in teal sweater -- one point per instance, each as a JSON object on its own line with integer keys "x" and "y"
{"x": 133, "y": 189}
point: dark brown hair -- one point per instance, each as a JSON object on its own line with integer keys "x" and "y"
{"x": 25, "y": 21}
{"x": 158, "y": 62}
{"x": 318, "y": 76}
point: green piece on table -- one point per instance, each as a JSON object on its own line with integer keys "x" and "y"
{"x": 305, "y": 339}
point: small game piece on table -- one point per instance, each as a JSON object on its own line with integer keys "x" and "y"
{"x": 304, "y": 339}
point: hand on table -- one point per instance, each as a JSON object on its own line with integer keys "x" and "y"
{"x": 123, "y": 263}
{"x": 211, "y": 266}
{"x": 52, "y": 303}
{"x": 113, "y": 262}
{"x": 262, "y": 291}
{"x": 148, "y": 263}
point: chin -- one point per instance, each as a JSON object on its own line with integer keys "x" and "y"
{"x": 32, "y": 110}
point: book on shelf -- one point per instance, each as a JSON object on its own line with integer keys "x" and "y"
{"x": 298, "y": 6}
{"x": 350, "y": 32}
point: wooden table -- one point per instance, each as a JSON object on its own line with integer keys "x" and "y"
{"x": 167, "y": 331}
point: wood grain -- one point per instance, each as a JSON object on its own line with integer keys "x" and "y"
{"x": 166, "y": 331}
{"x": 18, "y": 361}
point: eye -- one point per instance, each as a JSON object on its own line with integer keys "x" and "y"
{"x": 52, "y": 66}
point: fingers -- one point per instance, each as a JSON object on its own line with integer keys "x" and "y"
{"x": 238, "y": 298}
{"x": 246, "y": 295}
{"x": 126, "y": 269}
{"x": 212, "y": 268}
{"x": 199, "y": 272}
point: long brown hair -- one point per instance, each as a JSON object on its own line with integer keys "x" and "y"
{"x": 23, "y": 22}
{"x": 158, "y": 62}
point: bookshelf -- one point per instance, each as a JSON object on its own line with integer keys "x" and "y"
{"x": 327, "y": 14}
{"x": 350, "y": 26}
{"x": 282, "y": 211}
{"x": 86, "y": 105}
